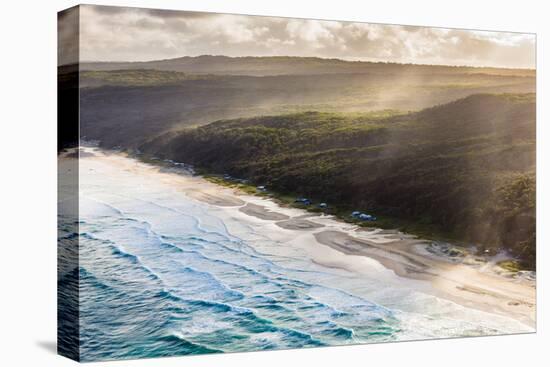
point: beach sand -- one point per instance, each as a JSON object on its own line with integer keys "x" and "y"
{"x": 262, "y": 212}
{"x": 298, "y": 224}
{"x": 215, "y": 198}
{"x": 345, "y": 246}
{"x": 460, "y": 283}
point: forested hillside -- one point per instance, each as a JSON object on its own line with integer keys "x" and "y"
{"x": 466, "y": 167}
{"x": 126, "y": 107}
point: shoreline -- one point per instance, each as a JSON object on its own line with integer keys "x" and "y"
{"x": 389, "y": 225}
{"x": 476, "y": 286}
{"x": 457, "y": 282}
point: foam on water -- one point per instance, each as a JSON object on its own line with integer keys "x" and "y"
{"x": 163, "y": 274}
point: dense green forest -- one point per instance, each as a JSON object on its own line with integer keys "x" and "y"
{"x": 466, "y": 167}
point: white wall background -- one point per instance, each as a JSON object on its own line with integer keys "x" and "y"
{"x": 28, "y": 182}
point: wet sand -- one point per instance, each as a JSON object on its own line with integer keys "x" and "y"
{"x": 262, "y": 212}
{"x": 298, "y": 224}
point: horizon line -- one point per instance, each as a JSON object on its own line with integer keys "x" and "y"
{"x": 309, "y": 57}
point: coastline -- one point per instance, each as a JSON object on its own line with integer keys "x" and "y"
{"x": 337, "y": 244}
{"x": 463, "y": 284}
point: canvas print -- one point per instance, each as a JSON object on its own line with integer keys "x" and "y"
{"x": 237, "y": 183}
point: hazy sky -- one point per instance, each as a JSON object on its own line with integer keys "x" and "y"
{"x": 130, "y": 34}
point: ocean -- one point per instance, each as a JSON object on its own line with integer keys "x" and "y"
{"x": 163, "y": 274}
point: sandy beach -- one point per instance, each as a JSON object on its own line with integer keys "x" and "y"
{"x": 261, "y": 212}
{"x": 463, "y": 284}
{"x": 347, "y": 247}
{"x": 460, "y": 283}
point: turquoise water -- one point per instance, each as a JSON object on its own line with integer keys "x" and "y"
{"x": 162, "y": 274}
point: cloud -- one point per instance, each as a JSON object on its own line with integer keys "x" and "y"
{"x": 131, "y": 34}
{"x": 67, "y": 37}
